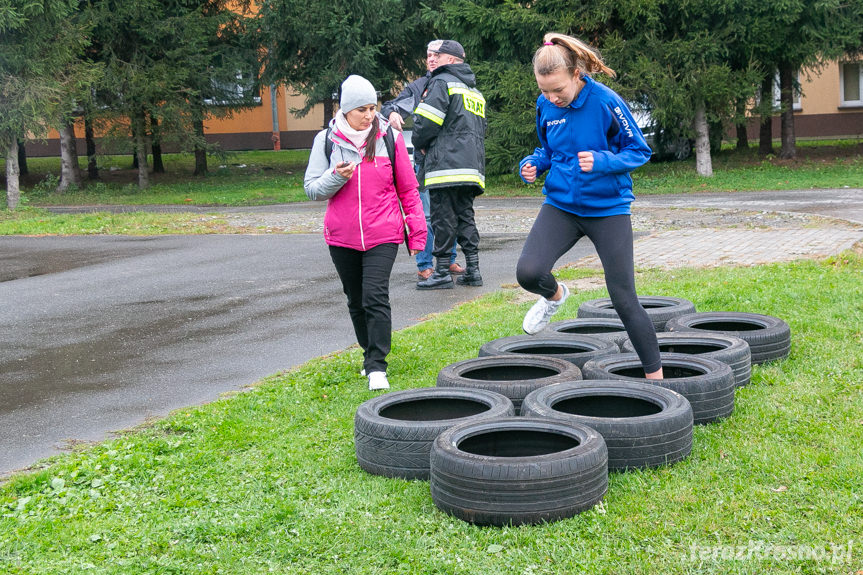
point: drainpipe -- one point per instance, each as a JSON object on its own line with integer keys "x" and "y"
{"x": 277, "y": 144}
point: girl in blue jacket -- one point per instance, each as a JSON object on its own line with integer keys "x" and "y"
{"x": 589, "y": 142}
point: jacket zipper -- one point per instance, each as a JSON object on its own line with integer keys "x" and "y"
{"x": 360, "y": 204}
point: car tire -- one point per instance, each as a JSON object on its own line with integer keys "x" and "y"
{"x": 725, "y": 348}
{"x": 511, "y": 375}
{"x": 707, "y": 384}
{"x": 517, "y": 471}
{"x": 769, "y": 337}
{"x": 643, "y": 425}
{"x": 660, "y": 309}
{"x": 393, "y": 432}
{"x": 611, "y": 329}
{"x": 574, "y": 349}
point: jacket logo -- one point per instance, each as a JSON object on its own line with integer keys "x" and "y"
{"x": 474, "y": 105}
{"x": 623, "y": 121}
{"x": 555, "y": 122}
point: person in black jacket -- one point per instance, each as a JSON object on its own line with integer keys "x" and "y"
{"x": 449, "y": 129}
{"x": 396, "y": 111}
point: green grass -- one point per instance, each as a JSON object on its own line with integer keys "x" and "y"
{"x": 266, "y": 480}
{"x": 30, "y": 221}
{"x": 239, "y": 179}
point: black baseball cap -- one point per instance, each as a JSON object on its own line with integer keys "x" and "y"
{"x": 450, "y": 47}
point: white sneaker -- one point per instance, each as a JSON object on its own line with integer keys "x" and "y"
{"x": 539, "y": 315}
{"x": 378, "y": 380}
{"x": 363, "y": 372}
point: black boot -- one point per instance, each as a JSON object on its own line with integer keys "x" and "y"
{"x": 471, "y": 275}
{"x": 440, "y": 279}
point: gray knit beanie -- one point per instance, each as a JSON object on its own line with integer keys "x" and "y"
{"x": 356, "y": 92}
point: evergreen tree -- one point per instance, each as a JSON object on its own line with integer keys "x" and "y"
{"x": 169, "y": 63}
{"x": 41, "y": 45}
{"x": 313, "y": 46}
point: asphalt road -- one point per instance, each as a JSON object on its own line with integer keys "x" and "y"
{"x": 97, "y": 334}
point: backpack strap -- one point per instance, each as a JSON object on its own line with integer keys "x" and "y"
{"x": 328, "y": 144}
{"x": 390, "y": 143}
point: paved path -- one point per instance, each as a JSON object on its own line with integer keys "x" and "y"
{"x": 720, "y": 247}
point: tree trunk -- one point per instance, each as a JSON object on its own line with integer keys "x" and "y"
{"x": 140, "y": 133}
{"x": 703, "y": 162}
{"x": 158, "y": 166}
{"x": 22, "y": 158}
{"x": 742, "y": 137}
{"x": 200, "y": 150}
{"x": 13, "y": 184}
{"x": 742, "y": 121}
{"x": 765, "y": 135}
{"x": 328, "y": 111}
{"x": 274, "y": 111}
{"x": 70, "y": 175}
{"x": 786, "y": 97}
{"x": 92, "y": 167}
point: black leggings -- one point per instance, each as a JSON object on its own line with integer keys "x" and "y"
{"x": 555, "y": 232}
{"x": 366, "y": 281}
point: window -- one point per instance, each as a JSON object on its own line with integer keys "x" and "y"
{"x": 239, "y": 91}
{"x": 777, "y": 102}
{"x": 851, "y": 84}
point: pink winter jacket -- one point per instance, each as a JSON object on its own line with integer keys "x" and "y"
{"x": 363, "y": 212}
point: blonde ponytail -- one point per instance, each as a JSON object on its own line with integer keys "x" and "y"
{"x": 560, "y": 51}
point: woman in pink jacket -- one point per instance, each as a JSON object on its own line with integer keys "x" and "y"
{"x": 363, "y": 224}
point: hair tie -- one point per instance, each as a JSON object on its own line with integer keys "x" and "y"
{"x": 548, "y": 43}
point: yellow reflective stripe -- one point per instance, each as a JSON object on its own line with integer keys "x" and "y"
{"x": 431, "y": 113}
{"x": 474, "y": 94}
{"x": 478, "y": 180}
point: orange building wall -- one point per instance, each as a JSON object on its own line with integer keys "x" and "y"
{"x": 820, "y": 90}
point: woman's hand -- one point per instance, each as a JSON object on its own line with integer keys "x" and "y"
{"x": 345, "y": 169}
{"x": 528, "y": 172}
{"x": 585, "y": 161}
{"x": 414, "y": 252}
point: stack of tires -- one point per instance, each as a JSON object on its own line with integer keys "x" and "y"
{"x": 528, "y": 431}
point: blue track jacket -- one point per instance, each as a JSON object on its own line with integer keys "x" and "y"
{"x": 597, "y": 121}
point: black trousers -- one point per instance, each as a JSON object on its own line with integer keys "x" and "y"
{"x": 366, "y": 281}
{"x": 553, "y": 234}
{"x": 452, "y": 218}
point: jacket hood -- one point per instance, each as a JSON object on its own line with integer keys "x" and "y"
{"x": 461, "y": 71}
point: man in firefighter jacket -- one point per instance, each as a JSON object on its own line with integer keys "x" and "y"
{"x": 449, "y": 128}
